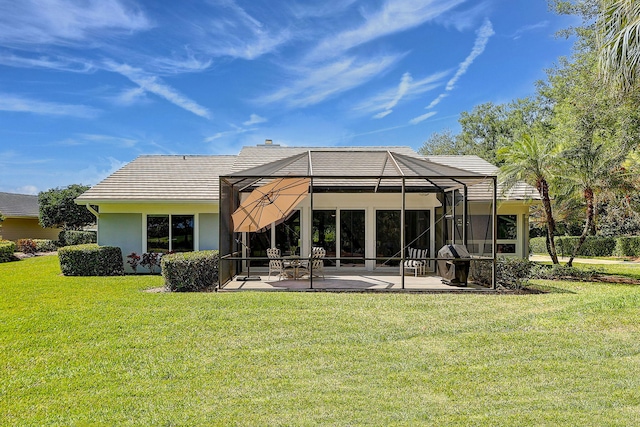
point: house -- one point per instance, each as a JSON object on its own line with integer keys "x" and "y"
{"x": 174, "y": 203}
{"x": 21, "y": 212}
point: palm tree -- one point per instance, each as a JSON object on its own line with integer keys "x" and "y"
{"x": 591, "y": 168}
{"x": 531, "y": 159}
{"x": 618, "y": 32}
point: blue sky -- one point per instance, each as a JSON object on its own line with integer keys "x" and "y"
{"x": 87, "y": 86}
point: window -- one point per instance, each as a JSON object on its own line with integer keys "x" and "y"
{"x": 167, "y": 233}
{"x": 352, "y": 236}
{"x": 324, "y": 231}
{"x": 417, "y": 233}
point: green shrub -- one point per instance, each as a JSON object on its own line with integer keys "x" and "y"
{"x": 7, "y": 248}
{"x": 511, "y": 273}
{"x": 76, "y": 237}
{"x": 45, "y": 245}
{"x": 628, "y": 246}
{"x": 190, "y": 271}
{"x": 538, "y": 245}
{"x": 594, "y": 246}
{"x": 26, "y": 246}
{"x": 91, "y": 260}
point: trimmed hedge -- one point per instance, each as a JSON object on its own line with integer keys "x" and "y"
{"x": 45, "y": 245}
{"x": 76, "y": 237}
{"x": 628, "y": 246}
{"x": 91, "y": 260}
{"x": 7, "y": 248}
{"x": 594, "y": 246}
{"x": 190, "y": 271}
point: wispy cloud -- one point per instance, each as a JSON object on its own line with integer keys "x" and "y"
{"x": 59, "y": 63}
{"x": 320, "y": 83}
{"x": 21, "y": 104}
{"x": 60, "y": 22}
{"x": 520, "y": 31}
{"x": 154, "y": 84}
{"x": 393, "y": 17}
{"x": 483, "y": 35}
{"x": 465, "y": 19}
{"x": 254, "y": 119}
{"x": 110, "y": 140}
{"x": 423, "y": 117}
{"x": 384, "y": 102}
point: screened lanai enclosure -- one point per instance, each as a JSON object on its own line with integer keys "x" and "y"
{"x": 370, "y": 211}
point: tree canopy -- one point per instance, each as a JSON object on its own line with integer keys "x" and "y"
{"x": 58, "y": 209}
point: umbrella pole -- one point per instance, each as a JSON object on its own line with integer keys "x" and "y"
{"x": 248, "y": 277}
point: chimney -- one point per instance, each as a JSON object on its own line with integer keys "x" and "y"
{"x": 268, "y": 142}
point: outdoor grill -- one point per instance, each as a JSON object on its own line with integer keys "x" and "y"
{"x": 453, "y": 264}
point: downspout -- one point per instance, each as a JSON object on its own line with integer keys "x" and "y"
{"x": 97, "y": 215}
{"x": 93, "y": 211}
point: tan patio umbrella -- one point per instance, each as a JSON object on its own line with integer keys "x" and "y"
{"x": 269, "y": 203}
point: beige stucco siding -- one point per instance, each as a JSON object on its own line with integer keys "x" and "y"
{"x": 26, "y": 228}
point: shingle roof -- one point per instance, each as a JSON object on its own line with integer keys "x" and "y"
{"x": 520, "y": 191}
{"x": 163, "y": 178}
{"x": 18, "y": 205}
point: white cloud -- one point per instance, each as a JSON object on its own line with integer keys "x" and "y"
{"x": 422, "y": 118}
{"x": 154, "y": 85}
{"x": 436, "y": 101}
{"x": 25, "y": 105}
{"x": 483, "y": 35}
{"x": 130, "y": 96}
{"x": 394, "y": 16}
{"x": 407, "y": 88}
{"x": 27, "y": 189}
{"x": 59, "y": 63}
{"x": 66, "y": 21}
{"x": 254, "y": 119}
{"x": 520, "y": 31}
{"x": 465, "y": 19}
{"x": 320, "y": 83}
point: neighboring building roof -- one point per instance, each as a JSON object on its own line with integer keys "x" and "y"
{"x": 18, "y": 205}
{"x": 520, "y": 191}
{"x": 161, "y": 178}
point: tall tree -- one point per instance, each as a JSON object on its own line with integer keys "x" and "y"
{"x": 618, "y": 35}
{"x": 530, "y": 159}
{"x": 58, "y": 209}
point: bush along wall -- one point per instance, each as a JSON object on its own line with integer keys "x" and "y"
{"x": 76, "y": 237}
{"x": 91, "y": 260}
{"x": 594, "y": 246}
{"x": 7, "y": 248}
{"x": 190, "y": 271}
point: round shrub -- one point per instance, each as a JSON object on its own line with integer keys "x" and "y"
{"x": 190, "y": 271}
{"x": 27, "y": 246}
{"x": 91, "y": 260}
{"x": 7, "y": 248}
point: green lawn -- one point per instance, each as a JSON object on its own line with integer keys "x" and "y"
{"x": 99, "y": 351}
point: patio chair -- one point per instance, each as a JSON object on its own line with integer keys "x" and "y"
{"x": 316, "y": 266}
{"x": 417, "y": 261}
{"x": 276, "y": 265}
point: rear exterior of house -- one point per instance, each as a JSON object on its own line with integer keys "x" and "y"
{"x": 21, "y": 218}
{"x": 172, "y": 203}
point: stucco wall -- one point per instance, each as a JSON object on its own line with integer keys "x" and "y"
{"x": 26, "y": 228}
{"x": 208, "y": 231}
{"x": 121, "y": 229}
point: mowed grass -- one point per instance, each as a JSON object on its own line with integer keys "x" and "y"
{"x": 100, "y": 351}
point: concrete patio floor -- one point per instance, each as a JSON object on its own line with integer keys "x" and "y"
{"x": 351, "y": 281}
